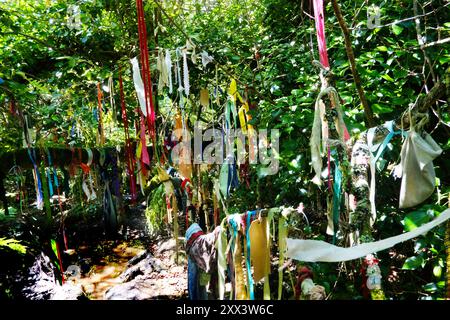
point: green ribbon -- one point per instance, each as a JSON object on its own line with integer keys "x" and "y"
{"x": 337, "y": 187}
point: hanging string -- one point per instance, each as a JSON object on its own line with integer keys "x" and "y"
{"x": 128, "y": 149}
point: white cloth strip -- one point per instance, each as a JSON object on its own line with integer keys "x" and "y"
{"x": 320, "y": 251}
{"x": 139, "y": 85}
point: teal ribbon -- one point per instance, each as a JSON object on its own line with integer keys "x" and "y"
{"x": 382, "y": 147}
{"x": 249, "y": 270}
{"x": 49, "y": 178}
{"x": 49, "y": 173}
{"x": 234, "y": 226}
{"x": 55, "y": 177}
{"x": 337, "y": 187}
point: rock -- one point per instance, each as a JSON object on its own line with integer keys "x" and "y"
{"x": 151, "y": 277}
{"x": 68, "y": 291}
{"x": 138, "y": 258}
{"x": 131, "y": 273}
{"x": 133, "y": 290}
{"x": 42, "y": 283}
{"x": 41, "y": 279}
{"x": 168, "y": 245}
{"x": 144, "y": 266}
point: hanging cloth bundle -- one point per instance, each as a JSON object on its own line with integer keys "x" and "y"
{"x": 418, "y": 176}
{"x": 128, "y": 148}
{"x": 146, "y": 75}
{"x": 161, "y": 66}
{"x": 319, "y": 135}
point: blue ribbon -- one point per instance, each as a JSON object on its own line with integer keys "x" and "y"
{"x": 38, "y": 176}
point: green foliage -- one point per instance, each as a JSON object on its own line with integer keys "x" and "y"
{"x": 156, "y": 209}
{"x": 51, "y": 71}
{"x": 13, "y": 244}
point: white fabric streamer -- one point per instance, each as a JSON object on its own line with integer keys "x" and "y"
{"x": 178, "y": 54}
{"x": 185, "y": 74}
{"x": 139, "y": 85}
{"x": 206, "y": 58}
{"x": 320, "y": 251}
{"x": 168, "y": 62}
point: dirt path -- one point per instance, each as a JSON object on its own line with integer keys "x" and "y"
{"x": 163, "y": 279}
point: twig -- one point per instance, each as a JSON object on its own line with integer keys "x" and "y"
{"x": 408, "y": 19}
{"x": 370, "y": 122}
{"x": 421, "y": 42}
{"x": 435, "y": 43}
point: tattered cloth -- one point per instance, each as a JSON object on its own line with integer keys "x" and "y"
{"x": 201, "y": 247}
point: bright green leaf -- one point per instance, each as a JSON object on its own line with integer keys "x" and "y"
{"x": 437, "y": 271}
{"x": 397, "y": 29}
{"x": 413, "y": 263}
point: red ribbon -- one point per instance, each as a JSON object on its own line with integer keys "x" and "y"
{"x": 146, "y": 75}
{"x": 303, "y": 274}
{"x": 320, "y": 30}
{"x": 193, "y": 238}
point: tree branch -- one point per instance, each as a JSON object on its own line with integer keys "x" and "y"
{"x": 370, "y": 122}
